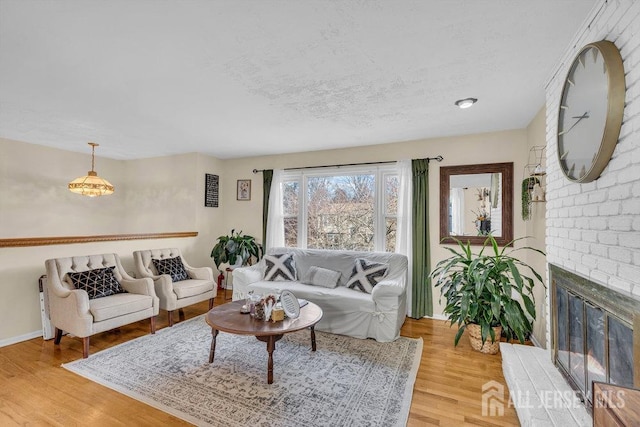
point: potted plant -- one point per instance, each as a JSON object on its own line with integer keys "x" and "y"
{"x": 235, "y": 249}
{"x": 481, "y": 291}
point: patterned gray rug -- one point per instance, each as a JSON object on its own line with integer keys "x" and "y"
{"x": 346, "y": 382}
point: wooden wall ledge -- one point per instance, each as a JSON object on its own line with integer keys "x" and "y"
{"x": 66, "y": 240}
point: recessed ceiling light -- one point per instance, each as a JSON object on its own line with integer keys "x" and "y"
{"x": 466, "y": 103}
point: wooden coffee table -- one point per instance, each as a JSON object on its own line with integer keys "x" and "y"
{"x": 227, "y": 318}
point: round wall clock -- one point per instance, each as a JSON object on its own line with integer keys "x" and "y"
{"x": 591, "y": 110}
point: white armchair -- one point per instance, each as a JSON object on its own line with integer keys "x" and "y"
{"x": 199, "y": 286}
{"x": 72, "y": 311}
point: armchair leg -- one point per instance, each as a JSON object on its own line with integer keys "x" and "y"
{"x": 153, "y": 324}
{"x": 181, "y": 315}
{"x": 211, "y": 303}
{"x": 170, "y": 315}
{"x": 85, "y": 347}
{"x": 58, "y": 337}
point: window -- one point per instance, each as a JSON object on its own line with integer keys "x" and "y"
{"x": 341, "y": 208}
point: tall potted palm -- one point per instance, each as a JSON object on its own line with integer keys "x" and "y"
{"x": 482, "y": 292}
{"x": 235, "y": 249}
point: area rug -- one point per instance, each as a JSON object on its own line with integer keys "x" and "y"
{"x": 346, "y": 382}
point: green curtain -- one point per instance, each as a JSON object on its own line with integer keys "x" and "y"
{"x": 267, "y": 177}
{"x": 421, "y": 301}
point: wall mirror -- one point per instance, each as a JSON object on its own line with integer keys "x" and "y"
{"x": 475, "y": 201}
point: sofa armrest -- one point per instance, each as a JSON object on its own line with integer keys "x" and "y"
{"x": 71, "y": 312}
{"x": 388, "y": 288}
{"x": 200, "y": 273}
{"x": 143, "y": 286}
{"x": 246, "y": 275}
{"x": 387, "y": 293}
{"x": 243, "y": 277}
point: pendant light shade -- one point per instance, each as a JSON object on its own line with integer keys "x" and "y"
{"x": 91, "y": 184}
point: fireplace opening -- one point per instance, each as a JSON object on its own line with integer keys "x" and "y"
{"x": 592, "y": 333}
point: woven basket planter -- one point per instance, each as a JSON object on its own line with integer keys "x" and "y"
{"x": 475, "y": 338}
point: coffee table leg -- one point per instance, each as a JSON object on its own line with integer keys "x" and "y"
{"x": 214, "y": 334}
{"x": 313, "y": 338}
{"x": 271, "y": 346}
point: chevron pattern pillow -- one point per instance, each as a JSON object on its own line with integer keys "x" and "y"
{"x": 99, "y": 282}
{"x": 366, "y": 275}
{"x": 280, "y": 268}
{"x": 171, "y": 266}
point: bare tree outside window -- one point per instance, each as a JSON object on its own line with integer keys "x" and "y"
{"x": 391, "y": 187}
{"x": 291, "y": 201}
{"x": 340, "y": 211}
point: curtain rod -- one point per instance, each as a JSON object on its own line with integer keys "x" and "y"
{"x": 438, "y": 158}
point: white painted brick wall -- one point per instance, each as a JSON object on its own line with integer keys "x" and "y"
{"x": 593, "y": 229}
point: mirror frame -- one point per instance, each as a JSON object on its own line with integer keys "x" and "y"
{"x": 506, "y": 169}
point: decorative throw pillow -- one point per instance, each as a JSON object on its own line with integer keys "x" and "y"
{"x": 324, "y": 277}
{"x": 171, "y": 266}
{"x": 280, "y": 268}
{"x": 99, "y": 282}
{"x": 366, "y": 275}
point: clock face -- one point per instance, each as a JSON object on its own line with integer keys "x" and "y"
{"x": 587, "y": 128}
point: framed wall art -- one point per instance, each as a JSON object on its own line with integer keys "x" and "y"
{"x": 244, "y": 189}
{"x": 211, "y": 190}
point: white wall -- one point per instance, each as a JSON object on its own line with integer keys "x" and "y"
{"x": 593, "y": 229}
{"x": 152, "y": 196}
{"x": 535, "y": 231}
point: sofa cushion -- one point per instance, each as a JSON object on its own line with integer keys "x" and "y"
{"x": 366, "y": 275}
{"x": 280, "y": 267}
{"x": 318, "y": 276}
{"x": 172, "y": 267}
{"x": 99, "y": 282}
{"x": 118, "y": 305}
{"x": 192, "y": 287}
{"x": 339, "y": 299}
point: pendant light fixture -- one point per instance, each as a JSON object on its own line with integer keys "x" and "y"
{"x": 91, "y": 184}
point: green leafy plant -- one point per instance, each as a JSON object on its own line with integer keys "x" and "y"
{"x": 527, "y": 187}
{"x": 230, "y": 248}
{"x": 482, "y": 289}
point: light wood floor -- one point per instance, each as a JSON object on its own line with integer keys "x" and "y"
{"x": 35, "y": 390}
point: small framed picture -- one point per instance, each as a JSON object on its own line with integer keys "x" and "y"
{"x": 244, "y": 189}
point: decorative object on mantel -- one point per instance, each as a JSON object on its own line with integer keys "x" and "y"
{"x": 591, "y": 111}
{"x": 91, "y": 184}
{"x": 481, "y": 292}
{"x": 235, "y": 249}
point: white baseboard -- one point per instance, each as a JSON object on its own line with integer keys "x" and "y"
{"x": 437, "y": 317}
{"x": 20, "y": 338}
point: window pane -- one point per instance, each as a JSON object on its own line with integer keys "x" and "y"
{"x": 291, "y": 232}
{"x": 340, "y": 212}
{"x": 290, "y": 197}
{"x": 290, "y": 205}
{"x": 391, "y": 225}
{"x": 391, "y": 187}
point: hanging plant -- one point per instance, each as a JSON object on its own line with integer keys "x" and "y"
{"x": 527, "y": 187}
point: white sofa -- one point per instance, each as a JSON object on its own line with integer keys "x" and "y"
{"x": 378, "y": 315}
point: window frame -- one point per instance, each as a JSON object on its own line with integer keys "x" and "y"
{"x": 380, "y": 214}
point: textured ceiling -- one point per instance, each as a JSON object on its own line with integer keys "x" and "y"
{"x": 147, "y": 78}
